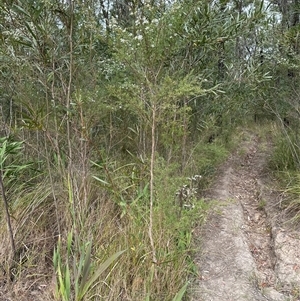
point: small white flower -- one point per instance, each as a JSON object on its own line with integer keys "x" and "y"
{"x": 139, "y": 37}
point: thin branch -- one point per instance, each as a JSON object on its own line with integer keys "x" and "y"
{"x": 9, "y": 227}
{"x": 153, "y": 143}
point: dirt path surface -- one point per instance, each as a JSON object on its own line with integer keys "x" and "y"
{"x": 246, "y": 251}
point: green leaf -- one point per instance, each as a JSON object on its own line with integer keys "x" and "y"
{"x": 68, "y": 282}
{"x": 86, "y": 269}
{"x": 100, "y": 180}
{"x": 98, "y": 272}
{"x": 31, "y": 32}
{"x": 19, "y": 9}
{"x": 181, "y": 293}
{"x": 69, "y": 242}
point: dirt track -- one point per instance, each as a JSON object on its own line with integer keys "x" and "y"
{"x": 246, "y": 252}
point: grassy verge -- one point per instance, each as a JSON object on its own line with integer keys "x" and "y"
{"x": 285, "y": 163}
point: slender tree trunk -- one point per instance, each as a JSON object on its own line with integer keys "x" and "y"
{"x": 184, "y": 136}
{"x": 295, "y": 22}
{"x": 84, "y": 155}
{"x": 238, "y": 48}
{"x": 68, "y": 100}
{"x": 105, "y": 14}
{"x": 283, "y": 7}
{"x": 153, "y": 147}
{"x": 9, "y": 227}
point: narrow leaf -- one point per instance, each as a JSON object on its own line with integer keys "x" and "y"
{"x": 68, "y": 282}
{"x": 19, "y": 9}
{"x": 100, "y": 180}
{"x": 99, "y": 271}
{"x": 180, "y": 294}
{"x": 86, "y": 268}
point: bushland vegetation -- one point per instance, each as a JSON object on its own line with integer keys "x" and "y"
{"x": 110, "y": 113}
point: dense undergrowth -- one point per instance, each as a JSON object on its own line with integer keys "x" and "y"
{"x": 88, "y": 239}
{"x": 285, "y": 163}
{"x": 110, "y": 113}
{"x": 65, "y": 229}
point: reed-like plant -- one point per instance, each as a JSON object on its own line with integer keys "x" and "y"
{"x": 74, "y": 276}
{"x": 8, "y": 148}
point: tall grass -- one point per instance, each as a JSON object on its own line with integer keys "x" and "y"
{"x": 292, "y": 201}
{"x": 70, "y": 223}
{"x": 113, "y": 221}
{"x": 285, "y": 161}
{"x": 286, "y": 153}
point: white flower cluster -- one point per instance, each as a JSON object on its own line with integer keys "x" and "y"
{"x": 145, "y": 29}
{"x": 187, "y": 193}
{"x": 109, "y": 67}
{"x": 195, "y": 178}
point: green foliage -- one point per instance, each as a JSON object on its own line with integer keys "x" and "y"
{"x": 127, "y": 184}
{"x": 11, "y": 167}
{"x": 8, "y": 149}
{"x": 286, "y": 154}
{"x": 181, "y": 293}
{"x": 172, "y": 237}
{"x": 74, "y": 282}
{"x": 206, "y": 157}
{"x": 291, "y": 203}
{"x": 86, "y": 94}
{"x": 285, "y": 160}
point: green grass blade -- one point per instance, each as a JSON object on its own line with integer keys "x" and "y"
{"x": 180, "y": 294}
{"x": 68, "y": 283}
{"x": 98, "y": 273}
{"x": 101, "y": 181}
{"x": 86, "y": 270}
